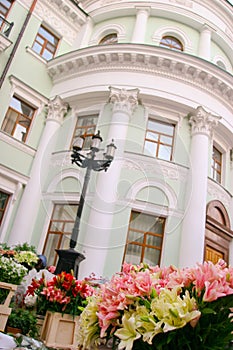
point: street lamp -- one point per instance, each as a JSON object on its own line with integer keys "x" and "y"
{"x": 69, "y": 259}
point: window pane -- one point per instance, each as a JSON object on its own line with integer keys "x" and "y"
{"x": 150, "y": 148}
{"x": 19, "y": 132}
{"x": 47, "y": 55}
{"x": 37, "y": 48}
{"x": 156, "y": 141}
{"x": 5, "y": 6}
{"x": 49, "y": 250}
{"x": 109, "y": 39}
{"x": 9, "y": 121}
{"x": 45, "y": 34}
{"x": 172, "y": 43}
{"x": 45, "y": 43}
{"x": 62, "y": 223}
{"x": 151, "y": 256}
{"x": 4, "y": 197}
{"x": 133, "y": 254}
{"x": 145, "y": 236}
{"x": 152, "y": 136}
{"x": 164, "y": 152}
{"x": 166, "y": 139}
{"x": 21, "y": 106}
{"x": 3, "y": 200}
{"x": 85, "y": 126}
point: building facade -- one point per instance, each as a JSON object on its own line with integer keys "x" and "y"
{"x": 153, "y": 76}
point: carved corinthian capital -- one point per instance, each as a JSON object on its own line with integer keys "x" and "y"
{"x": 123, "y": 100}
{"x": 203, "y": 122}
{"x": 56, "y": 109}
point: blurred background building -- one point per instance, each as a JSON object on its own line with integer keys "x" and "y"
{"x": 154, "y": 76}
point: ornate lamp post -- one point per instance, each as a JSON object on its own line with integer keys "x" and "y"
{"x": 69, "y": 259}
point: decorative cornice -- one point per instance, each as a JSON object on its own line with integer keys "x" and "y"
{"x": 123, "y": 100}
{"x": 61, "y": 15}
{"x": 203, "y": 122}
{"x": 144, "y": 59}
{"x": 56, "y": 109}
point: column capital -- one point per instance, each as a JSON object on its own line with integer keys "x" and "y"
{"x": 123, "y": 100}
{"x": 56, "y": 109}
{"x": 143, "y": 9}
{"x": 203, "y": 122}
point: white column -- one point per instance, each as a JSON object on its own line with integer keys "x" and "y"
{"x": 140, "y": 25}
{"x": 98, "y": 233}
{"x": 204, "y": 49}
{"x": 29, "y": 205}
{"x": 84, "y": 35}
{"x": 193, "y": 228}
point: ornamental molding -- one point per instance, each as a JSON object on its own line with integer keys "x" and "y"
{"x": 62, "y": 15}
{"x": 144, "y": 59}
{"x": 203, "y": 122}
{"x": 56, "y": 109}
{"x": 123, "y": 100}
{"x": 218, "y": 193}
{"x": 155, "y": 167}
{"x": 186, "y": 3}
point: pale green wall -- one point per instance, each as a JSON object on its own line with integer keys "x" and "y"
{"x": 156, "y": 23}
{"x": 127, "y": 22}
{"x": 217, "y": 51}
{"x": 15, "y": 159}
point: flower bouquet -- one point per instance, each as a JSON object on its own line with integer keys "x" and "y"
{"x": 63, "y": 293}
{"x": 145, "y": 308}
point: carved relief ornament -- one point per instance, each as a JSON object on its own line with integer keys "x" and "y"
{"x": 203, "y": 122}
{"x": 56, "y": 109}
{"x": 123, "y": 100}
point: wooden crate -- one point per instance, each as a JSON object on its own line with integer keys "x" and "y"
{"x": 60, "y": 331}
{"x": 5, "y": 310}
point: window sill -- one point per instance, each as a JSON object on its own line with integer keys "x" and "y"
{"x": 17, "y": 144}
{"x": 33, "y": 53}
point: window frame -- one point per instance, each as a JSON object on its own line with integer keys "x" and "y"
{"x": 17, "y": 119}
{"x": 46, "y": 42}
{"x": 216, "y": 165}
{"x": 87, "y": 135}
{"x": 108, "y": 39}
{"x": 8, "y": 9}
{"x": 144, "y": 244}
{"x": 171, "y": 46}
{"x": 3, "y": 211}
{"x": 60, "y": 233}
{"x": 158, "y": 142}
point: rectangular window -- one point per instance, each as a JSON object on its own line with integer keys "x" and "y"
{"x": 216, "y": 165}
{"x": 144, "y": 240}
{"x": 85, "y": 126}
{"x": 18, "y": 119}
{"x": 45, "y": 43}
{"x": 4, "y": 197}
{"x": 60, "y": 230}
{"x": 159, "y": 139}
{"x": 5, "y": 6}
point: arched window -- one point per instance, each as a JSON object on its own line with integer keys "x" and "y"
{"x": 221, "y": 64}
{"x": 109, "y": 39}
{"x": 171, "y": 43}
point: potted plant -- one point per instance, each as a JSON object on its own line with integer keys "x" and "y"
{"x": 144, "y": 308}
{"x": 24, "y": 320}
{"x": 61, "y": 300}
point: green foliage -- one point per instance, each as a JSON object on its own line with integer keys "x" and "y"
{"x": 11, "y": 271}
{"x": 212, "y": 332}
{"x": 25, "y": 247}
{"x": 23, "y": 319}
